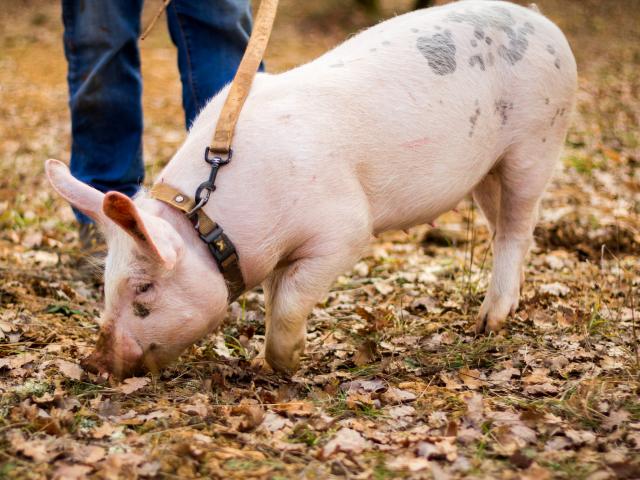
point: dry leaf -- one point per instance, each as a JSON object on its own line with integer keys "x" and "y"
{"x": 346, "y": 440}
{"x": 70, "y": 369}
{"x": 38, "y": 450}
{"x": 132, "y": 384}
{"x": 71, "y": 472}
{"x": 471, "y": 378}
{"x": 301, "y": 408}
{"x": 104, "y": 430}
{"x": 405, "y": 462}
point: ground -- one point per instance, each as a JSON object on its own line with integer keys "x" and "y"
{"x": 394, "y": 383}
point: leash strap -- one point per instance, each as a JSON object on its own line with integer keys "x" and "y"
{"x": 219, "y": 153}
{"x": 222, "y": 249}
{"x": 241, "y": 85}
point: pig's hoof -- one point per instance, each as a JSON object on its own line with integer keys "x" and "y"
{"x": 494, "y": 312}
{"x": 260, "y": 365}
{"x": 284, "y": 358}
{"x": 283, "y": 363}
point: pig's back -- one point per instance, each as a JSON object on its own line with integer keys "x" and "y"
{"x": 414, "y": 111}
{"x": 440, "y": 93}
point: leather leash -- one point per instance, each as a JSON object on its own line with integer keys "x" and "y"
{"x": 219, "y": 153}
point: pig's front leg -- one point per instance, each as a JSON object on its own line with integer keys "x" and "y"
{"x": 290, "y": 294}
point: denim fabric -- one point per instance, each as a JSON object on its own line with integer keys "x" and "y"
{"x": 105, "y": 86}
{"x": 211, "y": 37}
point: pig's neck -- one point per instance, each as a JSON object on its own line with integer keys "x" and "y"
{"x": 255, "y": 267}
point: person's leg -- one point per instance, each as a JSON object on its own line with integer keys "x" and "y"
{"x": 211, "y": 36}
{"x": 105, "y": 88}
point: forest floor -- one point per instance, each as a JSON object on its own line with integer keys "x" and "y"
{"x": 394, "y": 383}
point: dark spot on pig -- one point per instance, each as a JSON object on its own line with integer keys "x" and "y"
{"x": 140, "y": 310}
{"x": 555, "y": 116}
{"x": 479, "y": 34}
{"x": 373, "y": 49}
{"x": 557, "y": 64}
{"x": 340, "y": 64}
{"x": 544, "y": 139}
{"x": 474, "y": 43}
{"x": 502, "y": 108}
{"x": 498, "y": 18}
{"x": 438, "y": 27}
{"x": 477, "y": 60}
{"x": 490, "y": 59}
{"x": 153, "y": 346}
{"x": 474, "y": 119}
{"x": 386, "y": 43}
{"x": 415, "y": 30}
{"x": 546, "y": 101}
{"x": 440, "y": 52}
{"x": 488, "y": 40}
{"x": 518, "y": 45}
{"x": 551, "y": 50}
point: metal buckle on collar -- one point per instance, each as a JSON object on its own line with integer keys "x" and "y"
{"x": 205, "y": 189}
{"x": 219, "y": 245}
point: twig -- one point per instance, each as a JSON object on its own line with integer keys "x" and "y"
{"x": 633, "y": 326}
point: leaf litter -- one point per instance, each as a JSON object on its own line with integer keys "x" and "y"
{"x": 394, "y": 383}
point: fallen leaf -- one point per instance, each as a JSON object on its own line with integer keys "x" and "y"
{"x": 406, "y": 462}
{"x": 346, "y": 440}
{"x": 395, "y": 395}
{"x": 301, "y": 408}
{"x": 36, "y": 449}
{"x": 88, "y": 454}
{"x": 471, "y": 378}
{"x": 70, "y": 369}
{"x": 556, "y": 289}
{"x": 504, "y": 375}
{"x": 615, "y": 419}
{"x": 71, "y": 472}
{"x": 132, "y": 384}
{"x": 401, "y": 411}
{"x": 104, "y": 430}
{"x": 249, "y": 416}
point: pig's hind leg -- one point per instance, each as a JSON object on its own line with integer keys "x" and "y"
{"x": 522, "y": 176}
{"x": 487, "y": 195}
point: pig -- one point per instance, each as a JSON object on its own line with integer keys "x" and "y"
{"x": 387, "y": 131}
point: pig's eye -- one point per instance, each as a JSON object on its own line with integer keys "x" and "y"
{"x": 145, "y": 287}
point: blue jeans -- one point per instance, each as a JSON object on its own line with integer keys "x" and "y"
{"x": 105, "y": 86}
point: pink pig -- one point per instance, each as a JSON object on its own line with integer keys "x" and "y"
{"x": 387, "y": 131}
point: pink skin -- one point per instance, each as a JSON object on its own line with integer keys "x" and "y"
{"x": 154, "y": 276}
{"x": 358, "y": 142}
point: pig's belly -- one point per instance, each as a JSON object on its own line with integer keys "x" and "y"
{"x": 421, "y": 186}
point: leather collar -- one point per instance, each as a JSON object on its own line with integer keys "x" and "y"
{"x": 223, "y": 250}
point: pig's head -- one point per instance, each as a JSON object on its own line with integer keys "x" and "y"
{"x": 162, "y": 290}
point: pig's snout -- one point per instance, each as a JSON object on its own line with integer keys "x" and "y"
{"x": 117, "y": 353}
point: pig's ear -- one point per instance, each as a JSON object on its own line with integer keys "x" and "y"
{"x": 83, "y": 197}
{"x": 155, "y": 237}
